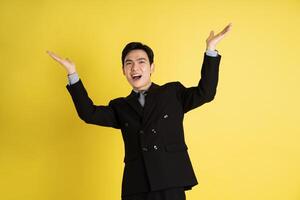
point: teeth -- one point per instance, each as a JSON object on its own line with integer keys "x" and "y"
{"x": 136, "y": 76}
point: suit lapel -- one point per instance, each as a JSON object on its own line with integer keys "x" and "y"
{"x": 150, "y": 103}
{"x": 132, "y": 100}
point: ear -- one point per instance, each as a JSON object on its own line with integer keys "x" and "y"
{"x": 152, "y": 67}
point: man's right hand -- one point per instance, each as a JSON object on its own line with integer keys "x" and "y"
{"x": 66, "y": 63}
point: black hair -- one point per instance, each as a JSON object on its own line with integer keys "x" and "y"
{"x": 137, "y": 45}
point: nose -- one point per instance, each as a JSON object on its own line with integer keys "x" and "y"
{"x": 134, "y": 67}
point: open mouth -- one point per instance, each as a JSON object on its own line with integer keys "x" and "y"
{"x": 136, "y": 77}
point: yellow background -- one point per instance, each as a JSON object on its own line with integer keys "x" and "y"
{"x": 244, "y": 145}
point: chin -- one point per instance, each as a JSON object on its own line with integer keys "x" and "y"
{"x": 138, "y": 85}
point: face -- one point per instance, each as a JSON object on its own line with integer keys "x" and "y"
{"x": 137, "y": 69}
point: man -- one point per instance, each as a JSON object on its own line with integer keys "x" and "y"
{"x": 157, "y": 164}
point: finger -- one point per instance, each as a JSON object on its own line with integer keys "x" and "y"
{"x": 224, "y": 31}
{"x": 53, "y": 55}
{"x": 56, "y": 57}
{"x": 227, "y": 28}
{"x": 211, "y": 35}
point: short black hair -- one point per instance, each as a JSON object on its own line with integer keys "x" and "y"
{"x": 137, "y": 45}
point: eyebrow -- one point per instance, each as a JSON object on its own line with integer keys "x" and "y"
{"x": 136, "y": 59}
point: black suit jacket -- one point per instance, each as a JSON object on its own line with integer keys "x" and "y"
{"x": 156, "y": 154}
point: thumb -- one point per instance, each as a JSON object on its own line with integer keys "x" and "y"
{"x": 69, "y": 60}
{"x": 211, "y": 34}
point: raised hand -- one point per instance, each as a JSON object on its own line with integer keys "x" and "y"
{"x": 66, "y": 63}
{"x": 213, "y": 40}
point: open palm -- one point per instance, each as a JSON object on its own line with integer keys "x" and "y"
{"x": 213, "y": 40}
{"x": 67, "y": 63}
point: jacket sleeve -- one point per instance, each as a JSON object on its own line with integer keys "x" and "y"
{"x": 103, "y": 115}
{"x": 193, "y": 97}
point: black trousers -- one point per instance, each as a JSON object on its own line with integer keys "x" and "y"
{"x": 167, "y": 194}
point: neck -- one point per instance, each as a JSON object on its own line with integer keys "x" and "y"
{"x": 143, "y": 88}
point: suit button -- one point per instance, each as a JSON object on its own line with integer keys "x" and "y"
{"x": 145, "y": 149}
{"x": 153, "y": 130}
{"x": 126, "y": 124}
{"x": 165, "y": 116}
{"x": 141, "y": 132}
{"x": 155, "y": 147}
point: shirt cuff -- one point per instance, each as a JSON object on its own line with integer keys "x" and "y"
{"x": 73, "y": 78}
{"x": 213, "y": 53}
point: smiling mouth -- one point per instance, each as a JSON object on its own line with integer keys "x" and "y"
{"x": 136, "y": 77}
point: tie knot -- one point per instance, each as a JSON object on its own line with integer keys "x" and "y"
{"x": 144, "y": 92}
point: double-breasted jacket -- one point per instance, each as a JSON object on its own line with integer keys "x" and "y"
{"x": 156, "y": 154}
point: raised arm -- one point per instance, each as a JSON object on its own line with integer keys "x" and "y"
{"x": 103, "y": 115}
{"x": 205, "y": 91}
